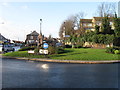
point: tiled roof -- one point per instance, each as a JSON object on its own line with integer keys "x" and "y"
{"x": 100, "y": 18}
{"x": 85, "y": 20}
{"x": 34, "y": 33}
{"x": 2, "y": 38}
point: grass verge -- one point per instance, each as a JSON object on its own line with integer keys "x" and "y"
{"x": 85, "y": 54}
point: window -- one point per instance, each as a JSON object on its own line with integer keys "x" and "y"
{"x": 89, "y": 24}
{"x": 31, "y": 37}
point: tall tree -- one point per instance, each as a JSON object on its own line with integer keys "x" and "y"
{"x": 106, "y": 8}
{"x": 105, "y": 27}
{"x": 79, "y": 16}
{"x": 97, "y": 29}
{"x": 67, "y": 27}
{"x": 70, "y": 24}
{"x": 117, "y": 26}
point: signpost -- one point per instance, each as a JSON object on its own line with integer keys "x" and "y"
{"x": 44, "y": 51}
{"x": 45, "y": 45}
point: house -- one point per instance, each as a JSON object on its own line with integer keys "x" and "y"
{"x": 89, "y": 24}
{"x": 86, "y": 24}
{"x": 32, "y": 38}
{"x": 3, "y": 39}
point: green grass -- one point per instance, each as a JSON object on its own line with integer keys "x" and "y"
{"x": 73, "y": 54}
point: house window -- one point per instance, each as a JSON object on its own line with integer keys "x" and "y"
{"x": 31, "y": 37}
{"x": 89, "y": 24}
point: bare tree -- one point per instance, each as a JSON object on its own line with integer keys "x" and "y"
{"x": 67, "y": 27}
{"x": 79, "y": 16}
{"x": 105, "y": 9}
{"x": 72, "y": 23}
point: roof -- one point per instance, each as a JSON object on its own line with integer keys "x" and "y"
{"x": 100, "y": 18}
{"x": 2, "y": 38}
{"x": 34, "y": 33}
{"x": 86, "y": 20}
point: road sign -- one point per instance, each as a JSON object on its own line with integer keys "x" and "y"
{"x": 42, "y": 51}
{"x": 45, "y": 45}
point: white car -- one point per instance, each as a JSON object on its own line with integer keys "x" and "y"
{"x": 1, "y": 47}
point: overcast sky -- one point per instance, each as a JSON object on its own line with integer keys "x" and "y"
{"x": 17, "y": 19}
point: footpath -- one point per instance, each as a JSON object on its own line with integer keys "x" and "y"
{"x": 64, "y": 61}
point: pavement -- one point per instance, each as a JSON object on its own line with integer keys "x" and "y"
{"x": 65, "y": 61}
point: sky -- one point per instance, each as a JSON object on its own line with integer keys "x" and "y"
{"x": 17, "y": 19}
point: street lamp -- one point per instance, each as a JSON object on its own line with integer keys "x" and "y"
{"x": 63, "y": 30}
{"x": 39, "y": 40}
{"x": 40, "y": 25}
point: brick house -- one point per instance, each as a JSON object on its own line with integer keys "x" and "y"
{"x": 32, "y": 38}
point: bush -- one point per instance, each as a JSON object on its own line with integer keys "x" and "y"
{"x": 110, "y": 50}
{"x": 36, "y": 50}
{"x": 60, "y": 50}
{"x": 116, "y": 41}
{"x": 27, "y": 48}
{"x": 68, "y": 46}
{"x": 52, "y": 50}
{"x": 116, "y": 51}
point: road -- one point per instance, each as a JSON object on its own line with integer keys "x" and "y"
{"x": 30, "y": 74}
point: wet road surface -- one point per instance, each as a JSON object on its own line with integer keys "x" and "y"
{"x": 30, "y": 74}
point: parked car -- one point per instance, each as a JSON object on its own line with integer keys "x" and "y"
{"x": 1, "y": 47}
{"x": 7, "y": 48}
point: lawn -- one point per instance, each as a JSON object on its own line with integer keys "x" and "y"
{"x": 73, "y": 54}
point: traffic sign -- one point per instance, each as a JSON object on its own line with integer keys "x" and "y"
{"x": 45, "y": 45}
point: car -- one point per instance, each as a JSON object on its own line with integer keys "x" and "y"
{"x": 1, "y": 47}
{"x": 7, "y": 48}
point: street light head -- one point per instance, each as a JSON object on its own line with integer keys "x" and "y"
{"x": 40, "y": 19}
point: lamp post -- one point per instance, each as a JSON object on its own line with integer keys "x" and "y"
{"x": 39, "y": 40}
{"x": 64, "y": 33}
{"x": 40, "y": 25}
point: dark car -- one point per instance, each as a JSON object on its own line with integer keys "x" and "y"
{"x": 7, "y": 48}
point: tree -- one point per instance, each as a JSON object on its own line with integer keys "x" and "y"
{"x": 117, "y": 26}
{"x": 97, "y": 29}
{"x": 70, "y": 24}
{"x": 106, "y": 9}
{"x": 79, "y": 16}
{"x": 105, "y": 27}
{"x": 67, "y": 27}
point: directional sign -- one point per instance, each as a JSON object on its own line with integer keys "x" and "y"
{"x": 45, "y": 45}
{"x": 42, "y": 51}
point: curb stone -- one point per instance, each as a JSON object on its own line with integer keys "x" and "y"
{"x": 64, "y": 61}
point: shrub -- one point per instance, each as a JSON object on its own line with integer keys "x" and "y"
{"x": 52, "y": 50}
{"x": 60, "y": 50}
{"x": 27, "y": 48}
{"x": 68, "y": 46}
{"x": 116, "y": 51}
{"x": 110, "y": 50}
{"x": 36, "y": 50}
